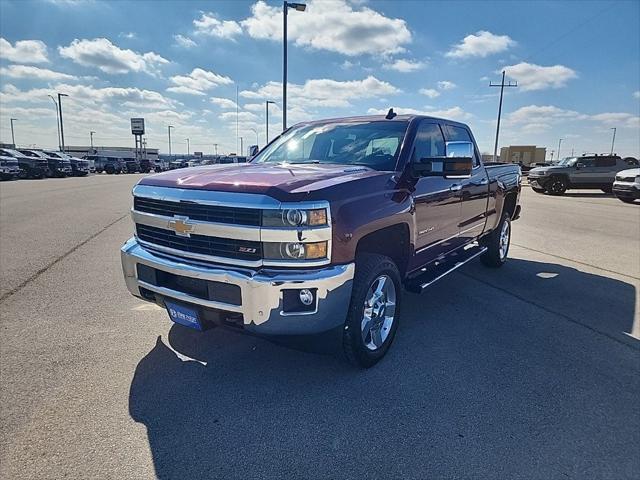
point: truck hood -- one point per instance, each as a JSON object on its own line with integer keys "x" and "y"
{"x": 270, "y": 179}
{"x": 546, "y": 170}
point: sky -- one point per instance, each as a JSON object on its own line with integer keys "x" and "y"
{"x": 181, "y": 63}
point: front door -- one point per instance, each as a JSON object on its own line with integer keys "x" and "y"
{"x": 437, "y": 200}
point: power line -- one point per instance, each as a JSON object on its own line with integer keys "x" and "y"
{"x": 501, "y": 85}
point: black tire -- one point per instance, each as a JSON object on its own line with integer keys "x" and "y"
{"x": 495, "y": 257}
{"x": 607, "y": 189}
{"x": 110, "y": 169}
{"x": 626, "y": 199}
{"x": 557, "y": 185}
{"x": 538, "y": 190}
{"x": 369, "y": 268}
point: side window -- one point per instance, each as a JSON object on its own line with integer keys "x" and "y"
{"x": 587, "y": 161}
{"x": 429, "y": 141}
{"x": 459, "y": 134}
{"x": 606, "y": 162}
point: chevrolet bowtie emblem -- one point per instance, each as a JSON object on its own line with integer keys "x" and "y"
{"x": 181, "y": 226}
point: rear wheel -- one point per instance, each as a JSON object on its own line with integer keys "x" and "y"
{"x": 497, "y": 244}
{"x": 557, "y": 186}
{"x": 372, "y": 318}
{"x": 110, "y": 169}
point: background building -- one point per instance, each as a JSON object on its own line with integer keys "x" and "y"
{"x": 523, "y": 154}
{"x": 123, "y": 152}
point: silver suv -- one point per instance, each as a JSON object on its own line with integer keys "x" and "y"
{"x": 627, "y": 185}
{"x": 587, "y": 171}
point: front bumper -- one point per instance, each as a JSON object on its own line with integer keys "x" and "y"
{"x": 538, "y": 182}
{"x": 10, "y": 170}
{"x": 261, "y": 308}
{"x": 626, "y": 189}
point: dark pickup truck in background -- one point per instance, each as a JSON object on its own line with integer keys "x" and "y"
{"x": 320, "y": 233}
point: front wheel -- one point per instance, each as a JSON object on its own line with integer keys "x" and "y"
{"x": 372, "y": 318}
{"x": 497, "y": 244}
{"x": 557, "y": 186}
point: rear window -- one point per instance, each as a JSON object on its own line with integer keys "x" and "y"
{"x": 605, "y": 161}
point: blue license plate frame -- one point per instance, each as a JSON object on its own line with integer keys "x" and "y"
{"x": 183, "y": 314}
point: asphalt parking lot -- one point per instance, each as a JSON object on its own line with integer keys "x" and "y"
{"x": 530, "y": 371}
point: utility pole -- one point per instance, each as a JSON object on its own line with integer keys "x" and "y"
{"x": 91, "y": 135}
{"x": 169, "y": 127}
{"x": 266, "y": 107}
{"x": 237, "y": 117}
{"x": 60, "y": 95}
{"x": 559, "y": 143}
{"x": 13, "y": 137}
{"x": 501, "y": 85}
{"x": 57, "y": 120}
{"x": 613, "y": 141}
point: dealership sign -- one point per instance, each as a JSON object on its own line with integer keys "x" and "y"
{"x": 137, "y": 126}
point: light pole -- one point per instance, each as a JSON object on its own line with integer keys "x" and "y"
{"x": 559, "y": 143}
{"x": 60, "y": 95}
{"x": 613, "y": 141}
{"x": 13, "y": 137}
{"x": 256, "y": 132}
{"x": 301, "y": 7}
{"x": 57, "y": 120}
{"x": 91, "y": 136}
{"x": 241, "y": 146}
{"x": 215, "y": 146}
{"x": 188, "y": 147}
{"x": 169, "y": 127}
{"x": 266, "y": 107}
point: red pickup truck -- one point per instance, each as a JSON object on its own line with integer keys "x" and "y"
{"x": 321, "y": 232}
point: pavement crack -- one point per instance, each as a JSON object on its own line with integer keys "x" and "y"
{"x": 19, "y": 287}
{"x": 576, "y": 261}
{"x": 553, "y": 312}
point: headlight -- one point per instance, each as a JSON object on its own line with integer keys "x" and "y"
{"x": 294, "y": 250}
{"x": 294, "y": 218}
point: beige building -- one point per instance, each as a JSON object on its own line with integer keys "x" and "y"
{"x": 523, "y": 154}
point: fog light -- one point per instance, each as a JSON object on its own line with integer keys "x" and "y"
{"x": 306, "y": 297}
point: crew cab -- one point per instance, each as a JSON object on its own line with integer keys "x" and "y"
{"x": 56, "y": 167}
{"x": 9, "y": 167}
{"x": 30, "y": 167}
{"x": 79, "y": 166}
{"x": 319, "y": 234}
{"x": 587, "y": 171}
{"x": 107, "y": 164}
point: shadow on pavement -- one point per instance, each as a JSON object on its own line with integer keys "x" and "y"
{"x": 479, "y": 384}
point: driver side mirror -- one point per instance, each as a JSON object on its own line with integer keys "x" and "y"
{"x": 458, "y": 162}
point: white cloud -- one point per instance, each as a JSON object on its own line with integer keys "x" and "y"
{"x": 636, "y": 94}
{"x": 482, "y": 44}
{"x": 26, "y": 71}
{"x": 336, "y": 26}
{"x": 109, "y": 58}
{"x": 405, "y": 65}
{"x": 453, "y": 113}
{"x": 324, "y": 92}
{"x": 24, "y": 51}
{"x": 128, "y": 35}
{"x": 429, "y": 92}
{"x": 542, "y": 114}
{"x": 615, "y": 119}
{"x": 184, "y": 42}
{"x": 197, "y": 82}
{"x": 536, "y": 77}
{"x": 224, "y": 103}
{"x": 242, "y": 116}
{"x": 209, "y": 25}
{"x": 446, "y": 85}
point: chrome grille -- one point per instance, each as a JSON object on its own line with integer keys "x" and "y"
{"x": 206, "y": 213}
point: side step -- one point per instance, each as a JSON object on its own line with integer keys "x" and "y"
{"x": 439, "y": 268}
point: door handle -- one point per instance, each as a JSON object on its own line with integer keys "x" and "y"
{"x": 484, "y": 181}
{"x": 455, "y": 188}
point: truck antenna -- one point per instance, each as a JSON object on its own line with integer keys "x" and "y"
{"x": 390, "y": 114}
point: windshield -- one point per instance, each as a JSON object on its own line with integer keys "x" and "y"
{"x": 567, "y": 162}
{"x": 371, "y": 144}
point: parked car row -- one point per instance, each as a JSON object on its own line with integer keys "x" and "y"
{"x": 116, "y": 165}
{"x": 609, "y": 173}
{"x": 27, "y": 163}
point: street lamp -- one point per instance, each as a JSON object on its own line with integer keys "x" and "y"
{"x": 256, "y": 132}
{"x": 91, "y": 135}
{"x": 266, "y": 107}
{"x": 169, "y": 127}
{"x": 60, "y": 95}
{"x": 57, "y": 119}
{"x": 300, "y": 7}
{"x": 613, "y": 141}
{"x": 559, "y": 143}
{"x": 241, "y": 146}
{"x": 188, "y": 147}
{"x": 13, "y": 138}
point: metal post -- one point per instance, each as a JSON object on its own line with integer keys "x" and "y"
{"x": 60, "y": 95}
{"x": 13, "y": 138}
{"x": 266, "y": 107}
{"x": 169, "y": 127}
{"x": 215, "y": 146}
{"x": 284, "y": 67}
{"x": 502, "y": 85}
{"x": 559, "y": 143}
{"x": 57, "y": 120}
{"x": 188, "y": 147}
{"x": 241, "y": 146}
{"x": 613, "y": 141}
{"x": 91, "y": 135}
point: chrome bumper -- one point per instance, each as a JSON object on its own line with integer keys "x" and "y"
{"x": 261, "y": 291}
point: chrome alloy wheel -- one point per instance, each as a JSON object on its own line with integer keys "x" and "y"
{"x": 379, "y": 312}
{"x": 505, "y": 232}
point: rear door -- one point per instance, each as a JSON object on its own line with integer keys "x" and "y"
{"x": 585, "y": 172}
{"x": 475, "y": 190}
{"x": 437, "y": 206}
{"x": 606, "y": 168}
